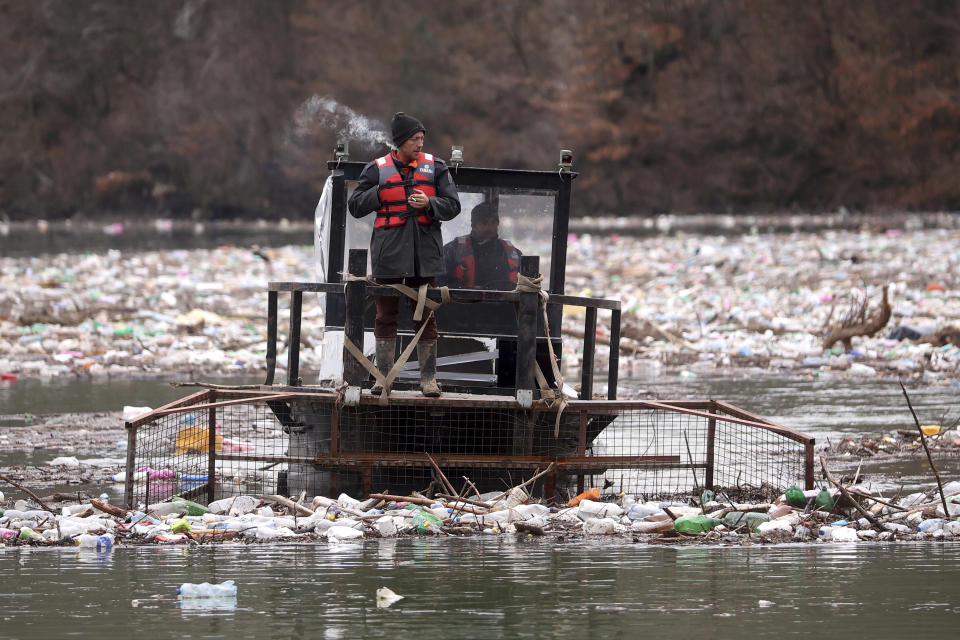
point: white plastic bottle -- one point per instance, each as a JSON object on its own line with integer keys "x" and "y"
{"x": 226, "y": 589}
{"x": 100, "y": 543}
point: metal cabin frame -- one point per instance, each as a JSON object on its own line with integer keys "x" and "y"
{"x": 521, "y": 339}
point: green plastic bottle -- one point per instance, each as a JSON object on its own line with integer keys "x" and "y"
{"x": 426, "y": 521}
{"x": 193, "y": 508}
{"x": 695, "y": 524}
{"x": 795, "y": 497}
{"x": 749, "y": 518}
{"x": 824, "y": 500}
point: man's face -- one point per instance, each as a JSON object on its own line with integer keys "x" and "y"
{"x": 411, "y": 148}
{"x": 486, "y": 228}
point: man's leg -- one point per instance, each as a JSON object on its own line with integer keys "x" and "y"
{"x": 427, "y": 347}
{"x": 385, "y": 331}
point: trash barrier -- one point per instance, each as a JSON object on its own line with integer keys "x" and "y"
{"x": 308, "y": 441}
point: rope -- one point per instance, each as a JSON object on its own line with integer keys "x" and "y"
{"x": 420, "y": 296}
{"x": 553, "y": 398}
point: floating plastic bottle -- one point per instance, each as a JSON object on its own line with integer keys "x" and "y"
{"x": 795, "y": 497}
{"x": 824, "y": 501}
{"x": 193, "y": 508}
{"x": 931, "y": 524}
{"x": 426, "y": 522}
{"x": 750, "y": 519}
{"x": 695, "y": 524}
{"x": 226, "y": 589}
{"x": 100, "y": 543}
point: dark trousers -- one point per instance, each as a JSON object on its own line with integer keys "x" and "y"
{"x": 389, "y": 306}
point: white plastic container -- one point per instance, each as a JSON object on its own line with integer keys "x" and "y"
{"x": 386, "y": 526}
{"x": 599, "y": 526}
{"x": 592, "y": 509}
{"x": 336, "y": 533}
{"x": 100, "y": 543}
{"x": 226, "y": 589}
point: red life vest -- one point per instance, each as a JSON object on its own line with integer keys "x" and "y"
{"x": 394, "y": 208}
{"x": 465, "y": 265}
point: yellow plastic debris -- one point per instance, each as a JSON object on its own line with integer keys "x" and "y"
{"x": 930, "y": 429}
{"x": 195, "y": 440}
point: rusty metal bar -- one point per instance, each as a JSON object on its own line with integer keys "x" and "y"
{"x": 131, "y": 464}
{"x": 212, "y": 444}
{"x": 569, "y": 464}
{"x": 150, "y": 416}
{"x": 711, "y": 451}
{"x": 808, "y": 466}
{"x": 223, "y": 403}
{"x": 751, "y": 419}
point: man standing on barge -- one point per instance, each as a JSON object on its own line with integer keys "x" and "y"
{"x": 411, "y": 193}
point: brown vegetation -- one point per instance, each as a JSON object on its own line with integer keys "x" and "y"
{"x": 233, "y": 108}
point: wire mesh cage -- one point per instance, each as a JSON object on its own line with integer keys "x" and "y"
{"x": 216, "y": 444}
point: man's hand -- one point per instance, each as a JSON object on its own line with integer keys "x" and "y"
{"x": 418, "y": 199}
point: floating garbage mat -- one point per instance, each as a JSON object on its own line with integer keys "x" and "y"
{"x": 818, "y": 515}
{"x": 218, "y": 444}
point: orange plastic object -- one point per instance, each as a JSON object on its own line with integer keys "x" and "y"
{"x": 589, "y": 494}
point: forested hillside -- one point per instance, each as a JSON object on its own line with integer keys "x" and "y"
{"x": 232, "y": 108}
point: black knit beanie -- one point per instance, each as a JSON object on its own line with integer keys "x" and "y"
{"x": 404, "y": 127}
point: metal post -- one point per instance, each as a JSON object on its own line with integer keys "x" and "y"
{"x": 527, "y": 330}
{"x": 353, "y": 371}
{"x": 589, "y": 347}
{"x": 131, "y": 465}
{"x": 338, "y": 226}
{"x": 212, "y": 442}
{"x": 613, "y": 374}
{"x": 711, "y": 450}
{"x": 271, "y": 336}
{"x": 293, "y": 340}
{"x": 581, "y": 446}
{"x": 561, "y": 227}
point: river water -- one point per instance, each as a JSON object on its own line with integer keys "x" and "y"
{"x": 487, "y": 588}
{"x": 504, "y": 587}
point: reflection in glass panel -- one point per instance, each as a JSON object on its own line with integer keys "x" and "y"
{"x": 483, "y": 244}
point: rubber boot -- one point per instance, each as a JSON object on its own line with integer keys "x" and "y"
{"x": 385, "y": 357}
{"x": 427, "y": 354}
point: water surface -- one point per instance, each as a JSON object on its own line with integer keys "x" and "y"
{"x": 489, "y": 588}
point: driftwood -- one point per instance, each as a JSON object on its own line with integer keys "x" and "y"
{"x": 28, "y": 492}
{"x": 846, "y": 494}
{"x": 294, "y": 507}
{"x": 443, "y": 478}
{"x": 106, "y": 507}
{"x": 923, "y": 440}
{"x": 426, "y": 502}
{"x": 949, "y": 334}
{"x": 858, "y": 324}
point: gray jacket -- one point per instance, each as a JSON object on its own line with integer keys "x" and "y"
{"x": 411, "y": 249}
